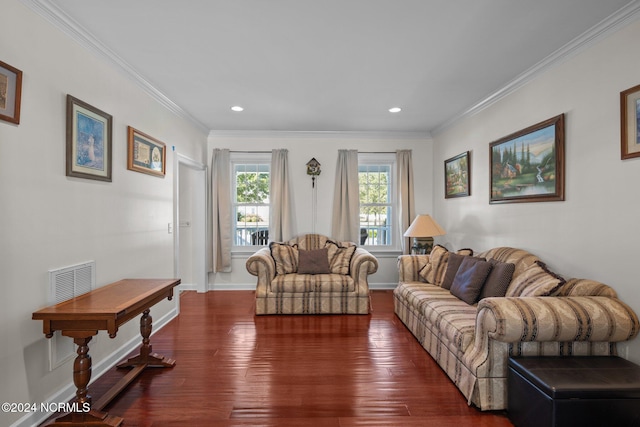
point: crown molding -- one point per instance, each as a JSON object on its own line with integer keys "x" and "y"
{"x": 369, "y": 135}
{"x": 52, "y": 13}
{"x": 614, "y": 22}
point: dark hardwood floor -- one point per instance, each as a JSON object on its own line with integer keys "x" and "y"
{"x": 236, "y": 369}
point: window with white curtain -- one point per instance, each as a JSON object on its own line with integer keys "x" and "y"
{"x": 378, "y": 200}
{"x": 250, "y": 197}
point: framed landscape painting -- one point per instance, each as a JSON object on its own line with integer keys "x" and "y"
{"x": 528, "y": 166}
{"x": 457, "y": 176}
{"x": 146, "y": 154}
{"x": 10, "y": 93}
{"x": 630, "y": 122}
{"x": 88, "y": 141}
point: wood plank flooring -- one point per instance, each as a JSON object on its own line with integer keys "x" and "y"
{"x": 237, "y": 369}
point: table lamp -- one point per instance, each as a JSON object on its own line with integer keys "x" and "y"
{"x": 422, "y": 229}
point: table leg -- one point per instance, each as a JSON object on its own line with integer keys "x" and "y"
{"x": 146, "y": 357}
{"x": 84, "y": 416}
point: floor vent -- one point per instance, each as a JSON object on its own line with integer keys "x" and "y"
{"x": 66, "y": 283}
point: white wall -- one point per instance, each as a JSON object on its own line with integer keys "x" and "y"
{"x": 324, "y": 147}
{"x": 48, "y": 220}
{"x": 594, "y": 233}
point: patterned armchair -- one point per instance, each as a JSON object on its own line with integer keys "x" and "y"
{"x": 312, "y": 274}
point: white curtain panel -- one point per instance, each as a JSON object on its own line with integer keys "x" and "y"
{"x": 282, "y": 224}
{"x": 406, "y": 203}
{"x": 346, "y": 198}
{"x": 221, "y": 239}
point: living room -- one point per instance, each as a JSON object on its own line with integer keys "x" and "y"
{"x": 51, "y": 220}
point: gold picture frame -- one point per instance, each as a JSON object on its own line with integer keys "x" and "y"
{"x": 145, "y": 153}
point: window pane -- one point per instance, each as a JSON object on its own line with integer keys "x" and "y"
{"x": 375, "y": 204}
{"x": 251, "y": 203}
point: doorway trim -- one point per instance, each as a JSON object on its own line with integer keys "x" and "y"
{"x": 199, "y": 220}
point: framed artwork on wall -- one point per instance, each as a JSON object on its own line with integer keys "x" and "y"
{"x": 528, "y": 165}
{"x": 10, "y": 93}
{"x": 457, "y": 176}
{"x": 145, "y": 153}
{"x": 88, "y": 141}
{"x": 630, "y": 122}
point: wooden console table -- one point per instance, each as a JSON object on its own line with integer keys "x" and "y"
{"x": 105, "y": 309}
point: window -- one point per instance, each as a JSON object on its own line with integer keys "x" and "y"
{"x": 250, "y": 214}
{"x": 377, "y": 200}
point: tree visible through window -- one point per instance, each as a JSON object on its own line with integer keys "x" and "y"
{"x": 376, "y": 203}
{"x": 251, "y": 203}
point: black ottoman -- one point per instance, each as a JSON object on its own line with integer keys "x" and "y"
{"x": 584, "y": 391}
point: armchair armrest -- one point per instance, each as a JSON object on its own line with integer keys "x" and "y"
{"x": 261, "y": 264}
{"x": 362, "y": 264}
{"x": 409, "y": 267}
{"x": 557, "y": 319}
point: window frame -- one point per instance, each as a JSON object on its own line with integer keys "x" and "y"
{"x": 251, "y": 158}
{"x": 384, "y": 159}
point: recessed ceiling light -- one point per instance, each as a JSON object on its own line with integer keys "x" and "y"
{"x": 395, "y": 110}
{"x": 237, "y": 108}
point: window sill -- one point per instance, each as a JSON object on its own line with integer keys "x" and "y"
{"x": 246, "y": 251}
{"x": 383, "y": 253}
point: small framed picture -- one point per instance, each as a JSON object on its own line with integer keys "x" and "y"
{"x": 10, "y": 93}
{"x": 528, "y": 166}
{"x": 630, "y": 122}
{"x": 88, "y": 141}
{"x": 457, "y": 176}
{"x": 146, "y": 154}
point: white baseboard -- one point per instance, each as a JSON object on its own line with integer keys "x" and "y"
{"x": 68, "y": 392}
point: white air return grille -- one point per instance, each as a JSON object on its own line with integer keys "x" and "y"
{"x": 66, "y": 283}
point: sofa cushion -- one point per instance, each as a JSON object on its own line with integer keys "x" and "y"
{"x": 339, "y": 255}
{"x": 469, "y": 279}
{"x": 314, "y": 261}
{"x": 519, "y": 257}
{"x": 535, "y": 281}
{"x": 285, "y": 257}
{"x": 453, "y": 263}
{"x": 450, "y": 319}
{"x": 586, "y": 287}
{"x": 438, "y": 260}
{"x": 498, "y": 280}
{"x": 423, "y": 274}
{"x": 324, "y": 283}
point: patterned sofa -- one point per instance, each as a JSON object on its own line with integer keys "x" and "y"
{"x": 541, "y": 314}
{"x": 312, "y": 274}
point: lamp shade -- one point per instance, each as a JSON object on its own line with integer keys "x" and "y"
{"x": 424, "y": 226}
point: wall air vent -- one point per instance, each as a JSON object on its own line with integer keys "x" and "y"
{"x": 64, "y": 284}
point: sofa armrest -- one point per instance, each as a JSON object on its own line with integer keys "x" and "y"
{"x": 261, "y": 264}
{"x": 362, "y": 265}
{"x": 409, "y": 267}
{"x": 556, "y": 319}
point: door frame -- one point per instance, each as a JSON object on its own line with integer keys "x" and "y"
{"x": 199, "y": 220}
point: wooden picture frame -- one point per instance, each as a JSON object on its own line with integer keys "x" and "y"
{"x": 89, "y": 143}
{"x": 457, "y": 176}
{"x": 10, "y": 93}
{"x": 630, "y": 122}
{"x": 145, "y": 153}
{"x": 528, "y": 165}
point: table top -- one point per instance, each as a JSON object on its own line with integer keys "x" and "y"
{"x": 116, "y": 303}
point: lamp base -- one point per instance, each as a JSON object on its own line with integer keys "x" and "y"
{"x": 422, "y": 245}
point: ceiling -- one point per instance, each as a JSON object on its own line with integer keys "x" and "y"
{"x": 331, "y": 65}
